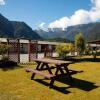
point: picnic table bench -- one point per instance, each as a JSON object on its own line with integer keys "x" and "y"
{"x": 45, "y": 64}
{"x": 39, "y": 73}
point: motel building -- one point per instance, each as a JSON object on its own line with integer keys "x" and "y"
{"x": 23, "y": 50}
{"x": 94, "y": 45}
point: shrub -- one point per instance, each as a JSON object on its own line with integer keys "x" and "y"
{"x": 64, "y": 49}
{"x": 3, "y": 50}
{"x": 87, "y": 51}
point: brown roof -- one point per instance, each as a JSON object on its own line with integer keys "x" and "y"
{"x": 95, "y": 42}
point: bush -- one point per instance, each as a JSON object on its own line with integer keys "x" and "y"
{"x": 63, "y": 50}
{"x": 98, "y": 53}
{"x": 87, "y": 51}
{"x": 4, "y": 58}
{"x": 3, "y": 50}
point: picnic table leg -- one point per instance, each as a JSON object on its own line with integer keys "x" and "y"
{"x": 42, "y": 66}
{"x": 38, "y": 65}
{"x": 48, "y": 68}
{"x": 33, "y": 75}
{"x": 51, "y": 82}
{"x": 68, "y": 74}
{"x": 59, "y": 68}
{"x": 57, "y": 71}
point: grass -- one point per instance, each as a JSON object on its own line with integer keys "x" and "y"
{"x": 15, "y": 84}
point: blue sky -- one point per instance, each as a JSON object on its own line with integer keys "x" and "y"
{"x": 36, "y": 12}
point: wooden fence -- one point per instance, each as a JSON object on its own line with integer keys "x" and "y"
{"x": 31, "y": 48}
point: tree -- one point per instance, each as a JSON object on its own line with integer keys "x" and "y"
{"x": 80, "y": 43}
{"x": 72, "y": 49}
{"x": 63, "y": 50}
{"x": 3, "y": 49}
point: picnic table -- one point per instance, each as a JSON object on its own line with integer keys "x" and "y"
{"x": 49, "y": 64}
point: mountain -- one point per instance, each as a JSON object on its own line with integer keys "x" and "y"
{"x": 22, "y": 30}
{"x": 50, "y": 34}
{"x": 6, "y": 27}
{"x": 15, "y": 29}
{"x": 90, "y": 31}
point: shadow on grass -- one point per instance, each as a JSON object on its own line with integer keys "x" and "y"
{"x": 78, "y": 83}
{"x": 10, "y": 68}
{"x": 8, "y": 65}
{"x": 75, "y": 83}
{"x": 60, "y": 89}
{"x": 78, "y": 59}
{"x": 83, "y": 59}
{"x": 89, "y": 60}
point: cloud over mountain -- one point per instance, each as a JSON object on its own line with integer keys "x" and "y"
{"x": 80, "y": 16}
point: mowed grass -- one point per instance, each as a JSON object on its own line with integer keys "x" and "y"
{"x": 15, "y": 84}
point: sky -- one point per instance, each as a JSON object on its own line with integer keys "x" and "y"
{"x": 51, "y": 13}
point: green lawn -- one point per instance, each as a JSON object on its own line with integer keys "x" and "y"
{"x": 15, "y": 84}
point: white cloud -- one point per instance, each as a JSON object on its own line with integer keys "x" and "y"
{"x": 2, "y": 2}
{"x": 42, "y": 25}
{"x": 80, "y": 16}
{"x": 62, "y": 23}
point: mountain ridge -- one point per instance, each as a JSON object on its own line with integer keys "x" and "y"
{"x": 16, "y": 29}
{"x": 91, "y": 31}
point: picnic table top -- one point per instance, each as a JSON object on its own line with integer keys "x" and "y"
{"x": 52, "y": 61}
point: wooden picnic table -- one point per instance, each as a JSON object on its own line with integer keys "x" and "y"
{"x": 52, "y": 61}
{"x": 49, "y": 64}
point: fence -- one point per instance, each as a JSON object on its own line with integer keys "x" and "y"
{"x": 17, "y": 48}
{"x": 25, "y": 50}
